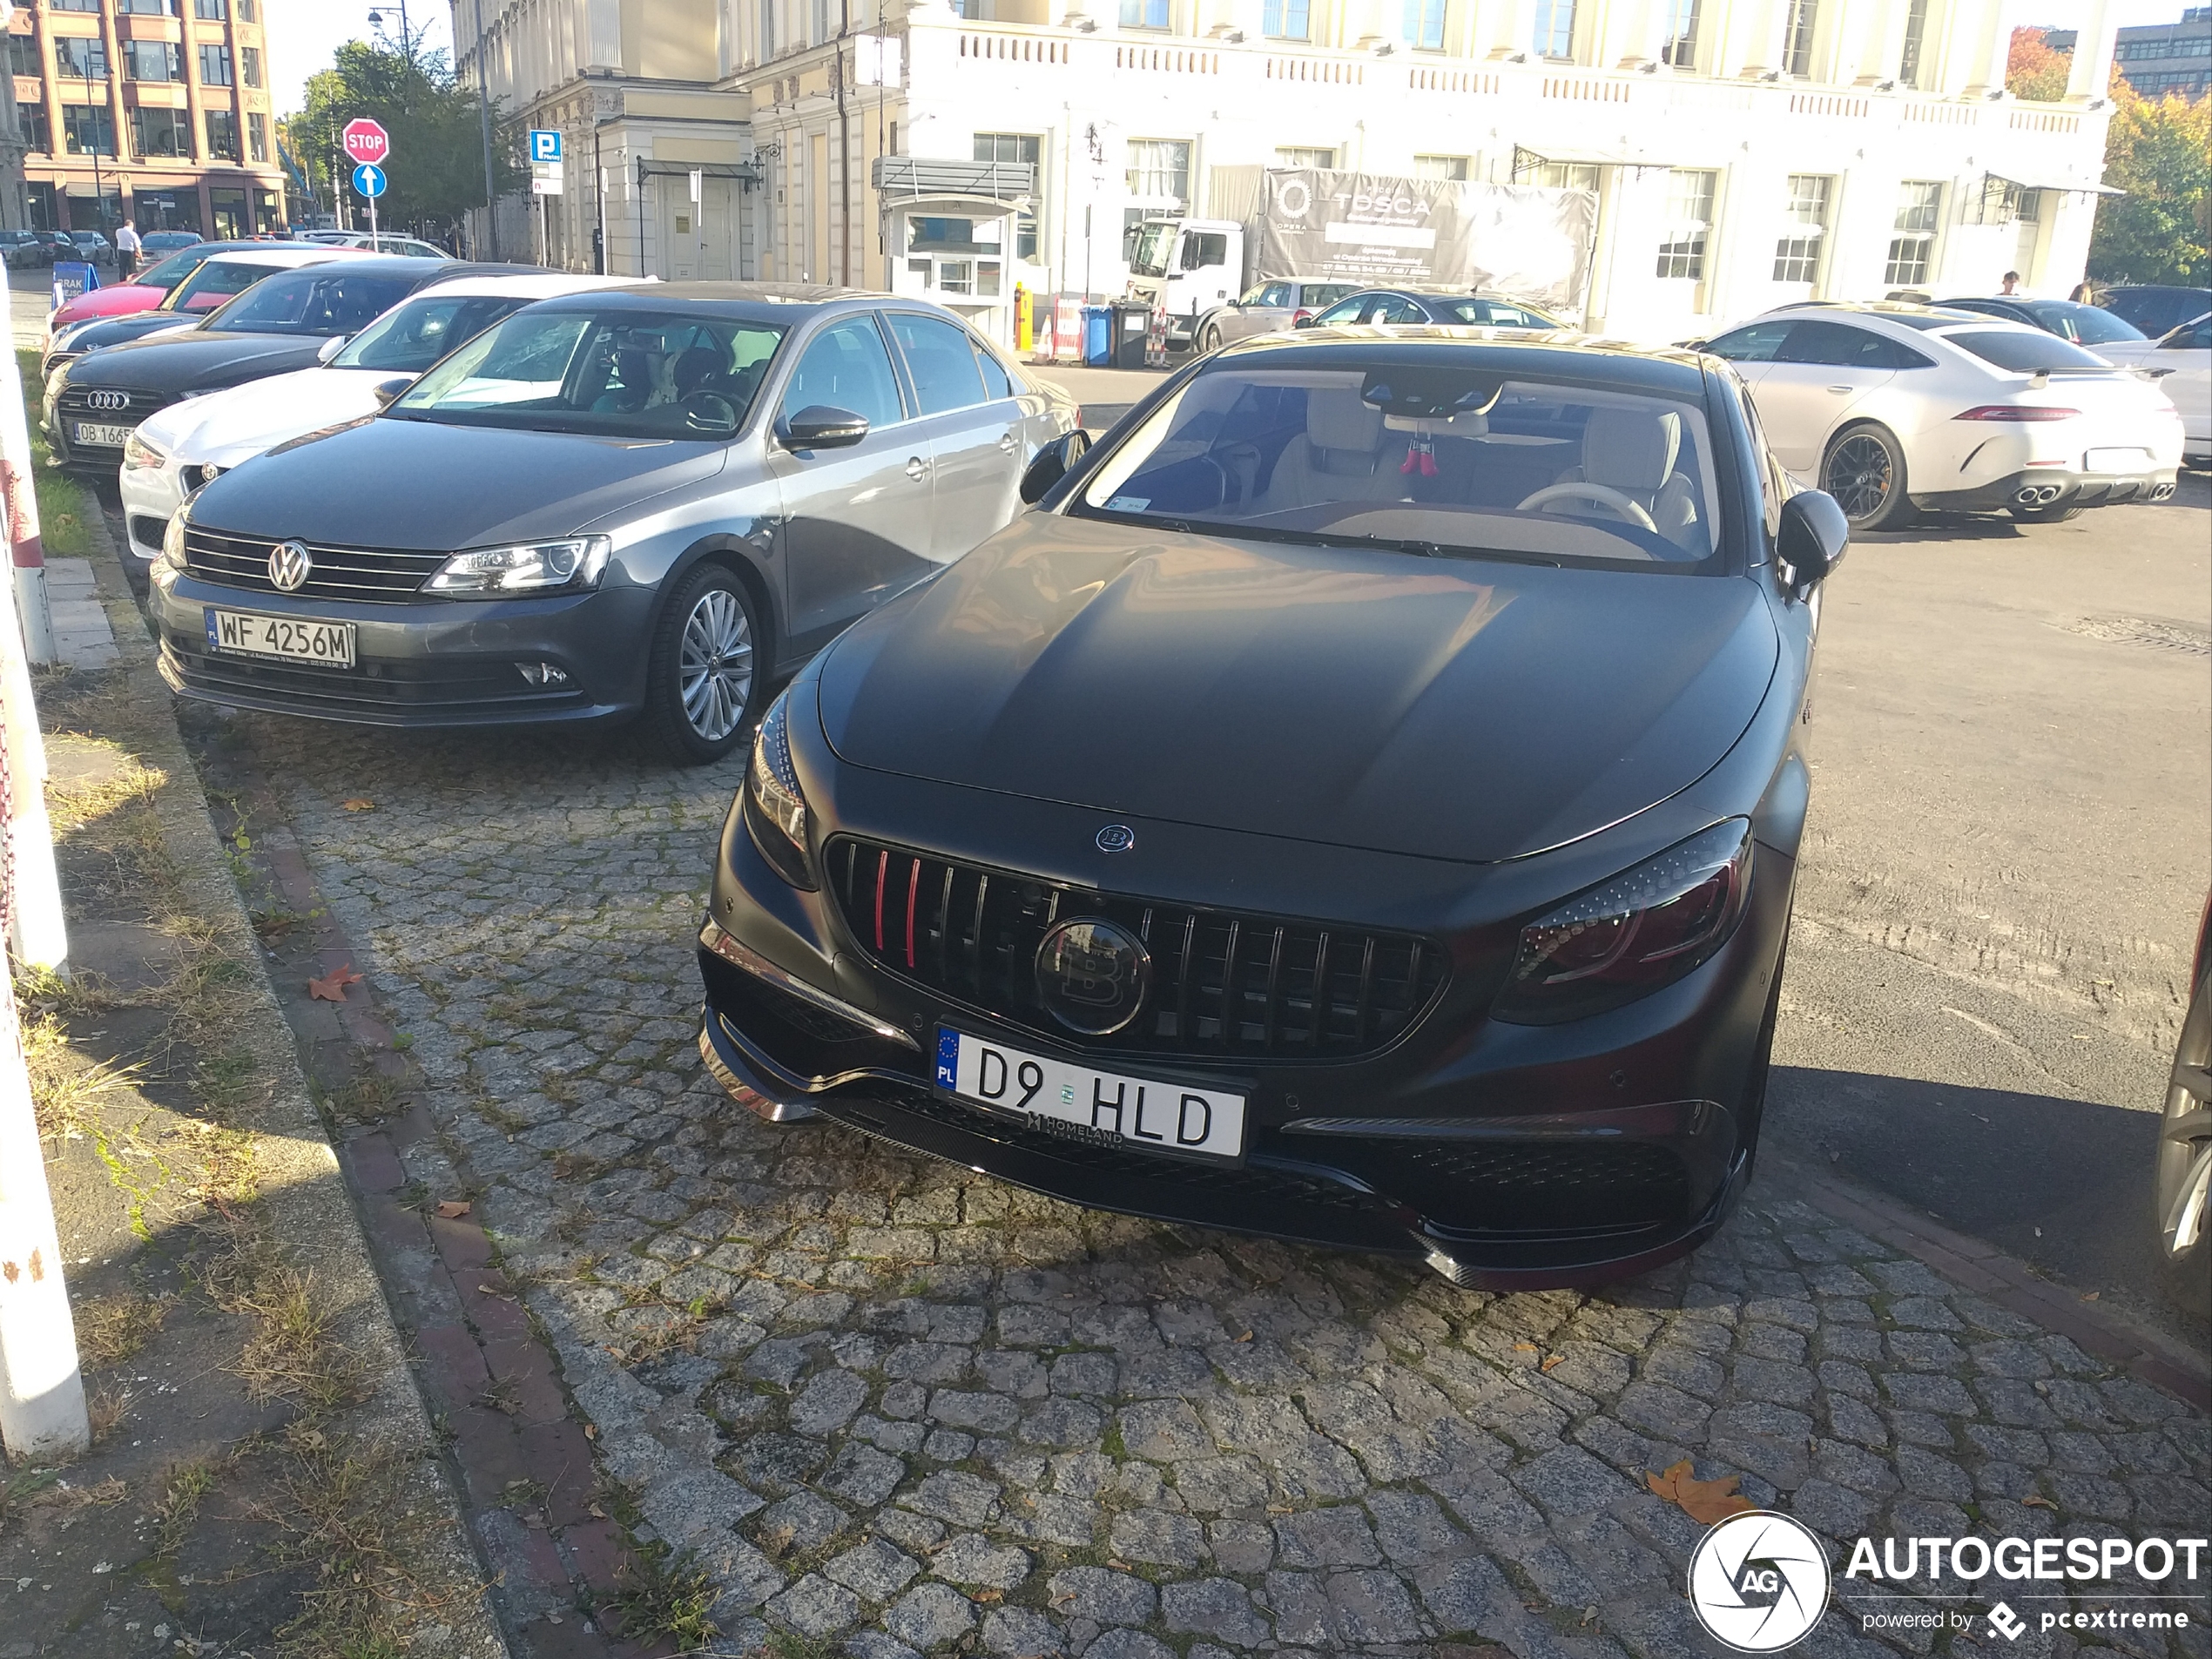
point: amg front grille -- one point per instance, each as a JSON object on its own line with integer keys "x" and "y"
{"x": 383, "y": 575}
{"x": 1225, "y": 984}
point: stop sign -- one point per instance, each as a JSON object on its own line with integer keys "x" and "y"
{"x": 366, "y": 141}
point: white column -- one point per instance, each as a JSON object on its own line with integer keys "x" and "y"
{"x": 1639, "y": 34}
{"x": 42, "y": 1390}
{"x": 1993, "y": 47}
{"x": 1503, "y": 27}
{"x": 2092, "y": 48}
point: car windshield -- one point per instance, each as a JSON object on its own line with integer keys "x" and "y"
{"x": 168, "y": 272}
{"x": 1434, "y": 458}
{"x": 612, "y": 373}
{"x": 409, "y": 338}
{"x": 215, "y": 282}
{"x": 2024, "y": 350}
{"x": 323, "y": 299}
{"x": 2085, "y": 324}
{"x": 1149, "y": 258}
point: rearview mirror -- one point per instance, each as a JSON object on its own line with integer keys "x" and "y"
{"x": 1052, "y": 464}
{"x": 819, "y": 426}
{"x": 387, "y": 391}
{"x": 1813, "y": 537}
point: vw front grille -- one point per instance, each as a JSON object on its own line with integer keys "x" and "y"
{"x": 375, "y": 574}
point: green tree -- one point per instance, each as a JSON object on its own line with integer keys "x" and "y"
{"x": 2160, "y": 152}
{"x": 436, "y": 170}
{"x": 2033, "y": 70}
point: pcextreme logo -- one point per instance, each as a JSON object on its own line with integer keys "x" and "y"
{"x": 1758, "y": 1581}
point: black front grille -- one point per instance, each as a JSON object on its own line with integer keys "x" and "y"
{"x": 1225, "y": 984}
{"x": 1475, "y": 1189}
{"x": 401, "y": 688}
{"x": 75, "y": 404}
{"x": 390, "y": 575}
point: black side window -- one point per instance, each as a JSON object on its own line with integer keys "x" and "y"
{"x": 1757, "y": 344}
{"x": 997, "y": 383}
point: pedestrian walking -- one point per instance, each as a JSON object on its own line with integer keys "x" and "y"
{"x": 2011, "y": 284}
{"x": 127, "y": 247}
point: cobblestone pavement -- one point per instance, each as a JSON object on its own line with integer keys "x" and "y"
{"x": 896, "y": 1407}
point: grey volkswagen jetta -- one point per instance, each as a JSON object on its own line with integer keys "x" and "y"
{"x": 646, "y": 502}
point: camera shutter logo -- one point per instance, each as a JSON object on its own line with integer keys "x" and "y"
{"x": 1758, "y": 1581}
{"x": 289, "y": 566}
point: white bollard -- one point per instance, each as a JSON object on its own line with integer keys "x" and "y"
{"x": 27, "y": 556}
{"x": 42, "y": 1390}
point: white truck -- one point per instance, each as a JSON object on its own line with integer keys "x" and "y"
{"x": 1310, "y": 224}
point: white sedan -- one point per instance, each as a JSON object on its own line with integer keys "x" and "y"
{"x": 1891, "y": 407}
{"x": 2185, "y": 355}
{"x": 173, "y": 452}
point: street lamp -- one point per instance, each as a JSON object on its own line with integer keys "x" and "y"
{"x": 99, "y": 185}
{"x": 376, "y": 21}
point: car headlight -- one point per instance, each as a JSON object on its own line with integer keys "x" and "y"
{"x": 139, "y": 454}
{"x": 171, "y": 557}
{"x": 533, "y": 567}
{"x": 775, "y": 808}
{"x": 1644, "y": 928}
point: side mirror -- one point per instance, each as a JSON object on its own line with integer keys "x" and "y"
{"x": 387, "y": 391}
{"x": 1302, "y": 323}
{"x": 819, "y": 426}
{"x": 1811, "y": 541}
{"x": 1053, "y": 463}
{"x": 332, "y": 347}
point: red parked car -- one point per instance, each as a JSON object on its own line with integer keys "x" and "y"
{"x": 145, "y": 291}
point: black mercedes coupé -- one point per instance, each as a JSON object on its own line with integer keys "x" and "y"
{"x": 1359, "y": 804}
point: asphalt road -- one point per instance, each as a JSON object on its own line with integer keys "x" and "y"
{"x": 2004, "y": 867}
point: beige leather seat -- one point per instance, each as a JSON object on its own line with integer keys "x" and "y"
{"x": 1339, "y": 456}
{"x": 1634, "y": 451}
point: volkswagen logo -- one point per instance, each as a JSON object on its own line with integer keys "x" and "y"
{"x": 107, "y": 399}
{"x": 288, "y": 566}
{"x": 1092, "y": 976}
{"x": 1116, "y": 838}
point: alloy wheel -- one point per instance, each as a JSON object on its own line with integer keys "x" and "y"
{"x": 714, "y": 674}
{"x": 1860, "y": 476}
{"x": 2185, "y": 1141}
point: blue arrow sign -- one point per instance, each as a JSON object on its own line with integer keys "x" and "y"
{"x": 545, "y": 145}
{"x": 369, "y": 180}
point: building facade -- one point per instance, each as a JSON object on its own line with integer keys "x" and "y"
{"x": 1743, "y": 152}
{"x": 2159, "y": 60}
{"x": 656, "y": 150}
{"x": 152, "y": 111}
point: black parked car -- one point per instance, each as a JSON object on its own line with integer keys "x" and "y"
{"x": 1445, "y": 306}
{"x": 287, "y": 320}
{"x": 2157, "y": 310}
{"x": 2089, "y": 325}
{"x": 1360, "y": 805}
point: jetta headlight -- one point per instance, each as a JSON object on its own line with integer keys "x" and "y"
{"x": 138, "y": 455}
{"x": 775, "y": 809}
{"x": 171, "y": 557}
{"x": 533, "y": 567}
{"x": 1646, "y": 927}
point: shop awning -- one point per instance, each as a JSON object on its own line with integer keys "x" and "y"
{"x": 919, "y": 178}
{"x": 1527, "y": 158}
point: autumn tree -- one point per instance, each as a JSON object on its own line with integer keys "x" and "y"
{"x": 2160, "y": 152}
{"x": 2033, "y": 70}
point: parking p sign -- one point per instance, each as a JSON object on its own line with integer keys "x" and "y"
{"x": 545, "y": 145}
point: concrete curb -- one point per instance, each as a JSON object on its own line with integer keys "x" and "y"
{"x": 311, "y": 1214}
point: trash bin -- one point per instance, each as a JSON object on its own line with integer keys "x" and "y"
{"x": 1131, "y": 323}
{"x": 1098, "y": 336}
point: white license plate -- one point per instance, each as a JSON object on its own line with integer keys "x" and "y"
{"x": 1101, "y": 1106}
{"x": 102, "y": 435}
{"x": 2116, "y": 461}
{"x": 293, "y": 639}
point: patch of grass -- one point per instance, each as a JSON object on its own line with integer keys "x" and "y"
{"x": 1113, "y": 1446}
{"x": 188, "y": 1483}
{"x": 291, "y": 1354}
{"x": 65, "y": 507}
{"x": 346, "y": 1511}
{"x": 64, "y": 1089}
{"x": 110, "y": 1329}
{"x": 666, "y": 1597}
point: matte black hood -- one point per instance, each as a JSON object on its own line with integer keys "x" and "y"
{"x": 195, "y": 362}
{"x": 400, "y": 483}
{"x": 1445, "y": 708}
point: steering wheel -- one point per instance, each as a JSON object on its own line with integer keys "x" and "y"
{"x": 1625, "y": 506}
{"x": 709, "y": 412}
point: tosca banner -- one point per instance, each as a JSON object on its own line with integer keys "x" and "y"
{"x": 1525, "y": 241}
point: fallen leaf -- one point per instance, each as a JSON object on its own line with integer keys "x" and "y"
{"x": 1554, "y": 1363}
{"x": 590, "y": 1431}
{"x": 1524, "y": 1347}
{"x": 357, "y": 805}
{"x": 1708, "y": 1501}
{"x": 988, "y": 1595}
{"x": 2088, "y": 1296}
{"x": 1247, "y": 1337}
{"x": 596, "y": 1513}
{"x": 330, "y": 987}
{"x": 452, "y": 1208}
{"x": 1119, "y": 1566}
{"x": 2037, "y": 1500}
